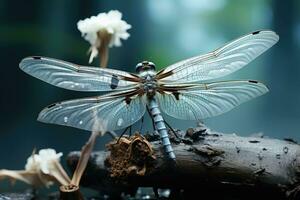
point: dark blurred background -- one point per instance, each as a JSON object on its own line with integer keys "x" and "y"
{"x": 163, "y": 32}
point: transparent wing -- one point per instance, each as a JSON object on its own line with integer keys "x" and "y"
{"x": 199, "y": 101}
{"x": 221, "y": 62}
{"x": 109, "y": 112}
{"x": 75, "y": 77}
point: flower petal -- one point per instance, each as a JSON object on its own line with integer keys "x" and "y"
{"x": 110, "y": 23}
{"x": 94, "y": 53}
{"x": 29, "y": 177}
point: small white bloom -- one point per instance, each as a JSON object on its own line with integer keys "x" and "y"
{"x": 33, "y": 163}
{"x": 40, "y": 170}
{"x": 43, "y": 161}
{"x": 110, "y": 23}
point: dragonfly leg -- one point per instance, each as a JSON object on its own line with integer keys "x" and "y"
{"x": 123, "y": 133}
{"x": 168, "y": 125}
{"x": 142, "y": 123}
{"x": 130, "y": 131}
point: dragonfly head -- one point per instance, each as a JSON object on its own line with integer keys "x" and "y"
{"x": 144, "y": 66}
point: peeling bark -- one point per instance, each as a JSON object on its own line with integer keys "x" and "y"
{"x": 207, "y": 162}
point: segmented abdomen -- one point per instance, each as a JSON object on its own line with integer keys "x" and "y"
{"x": 161, "y": 127}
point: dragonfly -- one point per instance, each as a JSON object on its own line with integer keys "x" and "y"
{"x": 186, "y": 90}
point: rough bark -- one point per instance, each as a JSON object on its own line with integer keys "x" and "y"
{"x": 207, "y": 163}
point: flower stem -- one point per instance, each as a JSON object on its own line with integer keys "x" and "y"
{"x": 103, "y": 56}
{"x": 104, "y": 48}
{"x": 84, "y": 158}
{"x": 86, "y": 150}
{"x": 60, "y": 174}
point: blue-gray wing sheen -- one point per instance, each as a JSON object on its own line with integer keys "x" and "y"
{"x": 110, "y": 112}
{"x": 221, "y": 62}
{"x": 75, "y": 77}
{"x": 199, "y": 101}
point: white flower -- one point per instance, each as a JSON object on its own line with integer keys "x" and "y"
{"x": 43, "y": 161}
{"x": 47, "y": 164}
{"x": 110, "y": 23}
{"x": 41, "y": 169}
{"x": 33, "y": 163}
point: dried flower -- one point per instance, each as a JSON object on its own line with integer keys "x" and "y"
{"x": 104, "y": 28}
{"x": 44, "y": 161}
{"x": 41, "y": 169}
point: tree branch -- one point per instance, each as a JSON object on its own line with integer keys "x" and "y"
{"x": 206, "y": 161}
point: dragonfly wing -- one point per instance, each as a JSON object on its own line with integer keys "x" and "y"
{"x": 75, "y": 77}
{"x": 109, "y": 112}
{"x": 221, "y": 62}
{"x": 199, "y": 101}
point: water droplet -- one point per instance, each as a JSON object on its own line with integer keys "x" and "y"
{"x": 76, "y": 84}
{"x": 120, "y": 122}
{"x": 65, "y": 119}
{"x": 285, "y": 150}
{"x": 80, "y": 122}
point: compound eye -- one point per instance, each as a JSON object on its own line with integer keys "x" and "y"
{"x": 151, "y": 65}
{"x": 138, "y": 67}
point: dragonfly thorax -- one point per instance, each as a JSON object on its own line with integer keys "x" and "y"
{"x": 149, "y": 83}
{"x": 149, "y": 87}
